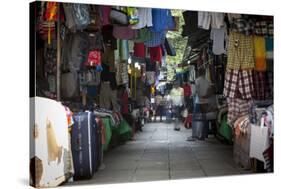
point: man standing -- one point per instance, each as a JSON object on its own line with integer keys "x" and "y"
{"x": 202, "y": 86}
{"x": 177, "y": 96}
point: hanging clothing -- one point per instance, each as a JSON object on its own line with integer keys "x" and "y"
{"x": 237, "y": 108}
{"x": 145, "y": 18}
{"x": 259, "y": 45}
{"x": 105, "y": 11}
{"x": 155, "y": 54}
{"x": 143, "y": 35}
{"x": 139, "y": 50}
{"x": 240, "y": 51}
{"x": 162, "y": 20}
{"x": 108, "y": 38}
{"x": 108, "y": 58}
{"x": 219, "y": 37}
{"x": 260, "y": 88}
{"x": 269, "y": 53}
{"x": 124, "y": 32}
{"x": 123, "y": 47}
{"x": 239, "y": 84}
{"x": 213, "y": 19}
{"x": 108, "y": 97}
{"x": 243, "y": 26}
{"x": 157, "y": 38}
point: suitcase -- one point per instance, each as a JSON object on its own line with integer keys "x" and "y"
{"x": 83, "y": 144}
{"x": 199, "y": 126}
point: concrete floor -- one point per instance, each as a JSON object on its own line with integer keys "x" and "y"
{"x": 160, "y": 153}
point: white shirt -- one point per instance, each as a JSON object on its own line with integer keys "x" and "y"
{"x": 145, "y": 18}
{"x": 177, "y": 95}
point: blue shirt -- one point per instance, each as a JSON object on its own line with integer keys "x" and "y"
{"x": 157, "y": 38}
{"x": 162, "y": 20}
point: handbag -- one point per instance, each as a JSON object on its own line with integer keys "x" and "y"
{"x": 118, "y": 17}
{"x": 169, "y": 48}
{"x": 94, "y": 58}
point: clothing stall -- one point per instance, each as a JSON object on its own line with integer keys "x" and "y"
{"x": 236, "y": 52}
{"x": 100, "y": 63}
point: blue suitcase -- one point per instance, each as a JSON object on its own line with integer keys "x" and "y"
{"x": 83, "y": 145}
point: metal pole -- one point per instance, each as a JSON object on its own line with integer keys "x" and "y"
{"x": 58, "y": 56}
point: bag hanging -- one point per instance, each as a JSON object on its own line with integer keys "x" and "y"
{"x": 169, "y": 48}
{"x": 94, "y": 58}
{"x": 132, "y": 15}
{"x": 81, "y": 16}
{"x": 51, "y": 15}
{"x": 118, "y": 17}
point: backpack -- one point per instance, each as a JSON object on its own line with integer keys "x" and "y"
{"x": 77, "y": 16}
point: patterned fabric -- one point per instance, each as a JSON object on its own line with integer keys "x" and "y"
{"x": 241, "y": 125}
{"x": 237, "y": 108}
{"x": 270, "y": 29}
{"x": 240, "y": 51}
{"x": 269, "y": 78}
{"x": 264, "y": 28}
{"x": 268, "y": 158}
{"x": 239, "y": 84}
{"x": 261, "y": 28}
{"x": 260, "y": 87}
{"x": 243, "y": 26}
{"x": 157, "y": 38}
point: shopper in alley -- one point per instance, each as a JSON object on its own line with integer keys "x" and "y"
{"x": 177, "y": 97}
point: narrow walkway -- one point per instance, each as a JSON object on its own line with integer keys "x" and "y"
{"x": 160, "y": 153}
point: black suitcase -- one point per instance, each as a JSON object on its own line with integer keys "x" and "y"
{"x": 83, "y": 145}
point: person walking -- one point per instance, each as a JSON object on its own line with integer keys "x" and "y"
{"x": 177, "y": 97}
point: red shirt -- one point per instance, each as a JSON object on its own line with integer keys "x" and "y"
{"x": 187, "y": 90}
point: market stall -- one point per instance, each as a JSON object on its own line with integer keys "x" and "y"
{"x": 108, "y": 66}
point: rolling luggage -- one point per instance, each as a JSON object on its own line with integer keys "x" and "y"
{"x": 84, "y": 146}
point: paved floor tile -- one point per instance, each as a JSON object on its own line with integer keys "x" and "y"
{"x": 160, "y": 153}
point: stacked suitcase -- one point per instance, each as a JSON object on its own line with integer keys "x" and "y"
{"x": 86, "y": 145}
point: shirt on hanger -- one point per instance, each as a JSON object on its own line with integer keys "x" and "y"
{"x": 157, "y": 38}
{"x": 218, "y": 36}
{"x": 162, "y": 20}
{"x": 145, "y": 18}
